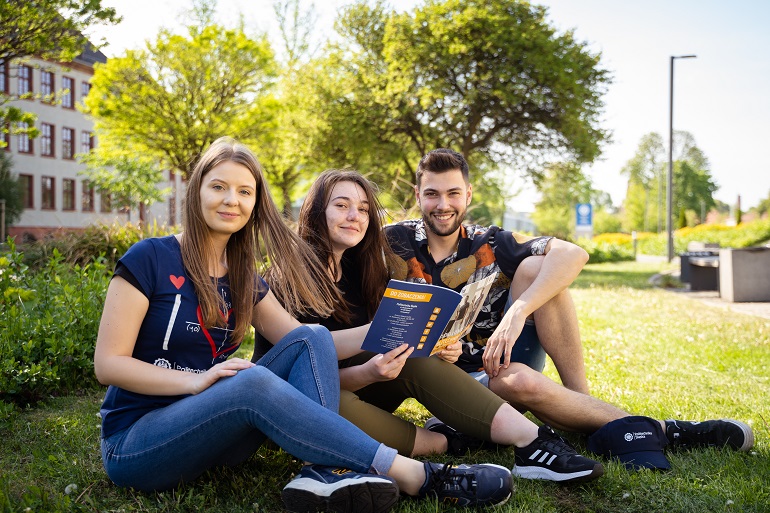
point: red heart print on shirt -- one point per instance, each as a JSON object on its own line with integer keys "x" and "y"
{"x": 177, "y": 281}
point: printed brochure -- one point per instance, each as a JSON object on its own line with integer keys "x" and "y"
{"x": 427, "y": 317}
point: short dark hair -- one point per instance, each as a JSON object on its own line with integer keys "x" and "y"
{"x": 441, "y": 160}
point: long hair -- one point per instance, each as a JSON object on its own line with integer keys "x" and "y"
{"x": 368, "y": 255}
{"x": 303, "y": 287}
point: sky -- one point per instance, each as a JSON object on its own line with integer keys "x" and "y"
{"x": 722, "y": 96}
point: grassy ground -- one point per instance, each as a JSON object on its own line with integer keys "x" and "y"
{"x": 647, "y": 350}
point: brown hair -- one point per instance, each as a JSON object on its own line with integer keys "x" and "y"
{"x": 369, "y": 254}
{"x": 441, "y": 160}
{"x": 303, "y": 288}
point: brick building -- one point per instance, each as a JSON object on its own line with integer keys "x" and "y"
{"x": 55, "y": 195}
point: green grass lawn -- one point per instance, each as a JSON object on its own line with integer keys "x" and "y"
{"x": 647, "y": 350}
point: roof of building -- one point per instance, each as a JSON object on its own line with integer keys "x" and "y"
{"x": 90, "y": 56}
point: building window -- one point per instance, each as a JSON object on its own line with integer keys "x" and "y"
{"x": 85, "y": 88}
{"x": 48, "y": 189}
{"x": 47, "y": 139}
{"x": 46, "y": 86}
{"x": 25, "y": 80}
{"x": 87, "y": 201}
{"x": 68, "y": 100}
{"x": 4, "y": 77}
{"x": 5, "y": 137}
{"x": 27, "y": 190}
{"x": 106, "y": 201}
{"x": 86, "y": 141}
{"x": 25, "y": 143}
{"x": 68, "y": 194}
{"x": 68, "y": 143}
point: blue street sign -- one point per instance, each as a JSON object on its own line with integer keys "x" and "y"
{"x": 584, "y": 217}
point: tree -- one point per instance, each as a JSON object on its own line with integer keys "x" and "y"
{"x": 286, "y": 148}
{"x": 47, "y": 29}
{"x": 646, "y": 185}
{"x": 131, "y": 179}
{"x": 693, "y": 190}
{"x": 647, "y": 175}
{"x": 10, "y": 191}
{"x": 763, "y": 207}
{"x": 170, "y": 100}
{"x": 561, "y": 187}
{"x": 490, "y": 79}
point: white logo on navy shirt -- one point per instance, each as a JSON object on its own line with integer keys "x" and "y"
{"x": 162, "y": 362}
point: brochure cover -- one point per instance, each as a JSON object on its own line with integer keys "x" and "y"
{"x": 427, "y": 317}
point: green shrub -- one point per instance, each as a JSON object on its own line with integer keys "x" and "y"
{"x": 614, "y": 247}
{"x": 600, "y": 251}
{"x": 740, "y": 236}
{"x": 49, "y": 318}
{"x": 109, "y": 241}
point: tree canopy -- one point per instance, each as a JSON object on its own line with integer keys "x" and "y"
{"x": 170, "y": 100}
{"x": 645, "y": 203}
{"x": 489, "y": 78}
{"x": 47, "y": 29}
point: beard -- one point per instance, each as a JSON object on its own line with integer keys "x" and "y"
{"x": 449, "y": 230}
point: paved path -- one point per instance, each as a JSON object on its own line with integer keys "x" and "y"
{"x": 710, "y": 297}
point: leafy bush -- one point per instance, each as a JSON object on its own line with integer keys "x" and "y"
{"x": 740, "y": 236}
{"x": 601, "y": 251}
{"x": 49, "y": 319}
{"x": 109, "y": 241}
{"x": 614, "y": 247}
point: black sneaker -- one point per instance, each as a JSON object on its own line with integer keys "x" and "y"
{"x": 683, "y": 434}
{"x": 552, "y": 458}
{"x": 467, "y": 485}
{"x": 457, "y": 443}
{"x": 321, "y": 488}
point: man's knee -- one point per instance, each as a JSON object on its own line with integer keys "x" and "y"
{"x": 517, "y": 383}
{"x": 527, "y": 271}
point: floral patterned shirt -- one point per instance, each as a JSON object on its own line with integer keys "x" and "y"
{"x": 481, "y": 251}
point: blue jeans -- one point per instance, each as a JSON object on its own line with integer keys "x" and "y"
{"x": 291, "y": 396}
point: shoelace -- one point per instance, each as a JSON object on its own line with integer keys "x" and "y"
{"x": 557, "y": 444}
{"x": 448, "y": 479}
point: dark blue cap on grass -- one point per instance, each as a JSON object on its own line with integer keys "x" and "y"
{"x": 636, "y": 441}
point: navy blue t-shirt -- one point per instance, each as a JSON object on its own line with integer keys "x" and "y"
{"x": 172, "y": 334}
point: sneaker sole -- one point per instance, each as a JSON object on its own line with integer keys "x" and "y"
{"x": 559, "y": 477}
{"x": 748, "y": 435}
{"x": 370, "y": 496}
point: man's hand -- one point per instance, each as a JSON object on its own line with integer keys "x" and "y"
{"x": 451, "y": 352}
{"x": 500, "y": 344}
{"x": 385, "y": 367}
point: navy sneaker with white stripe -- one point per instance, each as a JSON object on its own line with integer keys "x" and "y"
{"x": 321, "y": 488}
{"x": 552, "y": 458}
{"x": 463, "y": 486}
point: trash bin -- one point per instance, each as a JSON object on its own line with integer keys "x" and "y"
{"x": 685, "y": 268}
{"x": 744, "y": 274}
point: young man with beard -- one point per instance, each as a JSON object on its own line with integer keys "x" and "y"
{"x": 504, "y": 350}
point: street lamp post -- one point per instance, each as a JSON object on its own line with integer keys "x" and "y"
{"x": 670, "y": 189}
